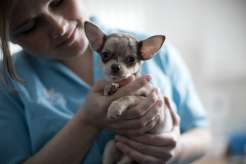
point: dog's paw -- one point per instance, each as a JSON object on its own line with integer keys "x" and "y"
{"x": 115, "y": 110}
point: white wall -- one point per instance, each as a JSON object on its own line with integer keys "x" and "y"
{"x": 210, "y": 34}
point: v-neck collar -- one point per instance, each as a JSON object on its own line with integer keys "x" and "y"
{"x": 61, "y": 68}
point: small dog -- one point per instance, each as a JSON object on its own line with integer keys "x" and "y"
{"x": 122, "y": 56}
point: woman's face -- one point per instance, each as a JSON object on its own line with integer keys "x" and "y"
{"x": 49, "y": 28}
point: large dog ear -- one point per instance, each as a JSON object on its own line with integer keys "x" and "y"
{"x": 149, "y": 46}
{"x": 95, "y": 35}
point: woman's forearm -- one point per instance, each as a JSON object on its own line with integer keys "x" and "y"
{"x": 193, "y": 145}
{"x": 69, "y": 146}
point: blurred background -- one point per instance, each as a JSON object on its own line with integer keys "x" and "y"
{"x": 211, "y": 36}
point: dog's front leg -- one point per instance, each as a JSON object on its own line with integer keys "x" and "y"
{"x": 118, "y": 107}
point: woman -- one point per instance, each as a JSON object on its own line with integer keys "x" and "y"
{"x": 56, "y": 112}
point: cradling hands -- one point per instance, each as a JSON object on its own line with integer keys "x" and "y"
{"x": 94, "y": 110}
{"x": 153, "y": 148}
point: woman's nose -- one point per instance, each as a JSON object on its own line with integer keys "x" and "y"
{"x": 57, "y": 26}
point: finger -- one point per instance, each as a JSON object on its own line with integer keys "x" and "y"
{"x": 127, "y": 80}
{"x": 141, "y": 124}
{"x": 142, "y": 108}
{"x": 135, "y": 123}
{"x": 137, "y": 132}
{"x": 137, "y": 156}
{"x": 165, "y": 139}
{"x": 175, "y": 116}
{"x": 131, "y": 88}
{"x": 160, "y": 152}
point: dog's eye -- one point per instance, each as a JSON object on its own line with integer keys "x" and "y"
{"x": 105, "y": 56}
{"x": 130, "y": 60}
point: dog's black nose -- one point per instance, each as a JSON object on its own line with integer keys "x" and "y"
{"x": 115, "y": 68}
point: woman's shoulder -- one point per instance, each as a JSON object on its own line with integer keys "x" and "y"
{"x": 7, "y": 88}
{"x": 26, "y": 65}
{"x": 19, "y": 61}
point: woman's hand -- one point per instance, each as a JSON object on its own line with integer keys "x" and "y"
{"x": 153, "y": 148}
{"x": 94, "y": 110}
{"x": 141, "y": 118}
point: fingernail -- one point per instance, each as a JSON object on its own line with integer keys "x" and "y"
{"x": 147, "y": 77}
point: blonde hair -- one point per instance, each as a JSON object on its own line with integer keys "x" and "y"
{"x": 5, "y": 6}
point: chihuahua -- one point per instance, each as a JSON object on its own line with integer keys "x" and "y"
{"x": 122, "y": 56}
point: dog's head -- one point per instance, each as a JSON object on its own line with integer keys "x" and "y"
{"x": 121, "y": 53}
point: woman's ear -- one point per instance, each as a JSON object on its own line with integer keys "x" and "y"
{"x": 95, "y": 35}
{"x": 149, "y": 46}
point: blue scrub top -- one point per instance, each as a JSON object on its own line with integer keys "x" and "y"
{"x": 33, "y": 112}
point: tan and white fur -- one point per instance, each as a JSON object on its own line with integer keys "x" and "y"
{"x": 122, "y": 56}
